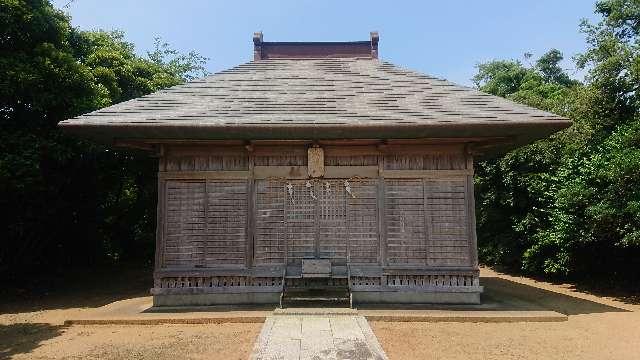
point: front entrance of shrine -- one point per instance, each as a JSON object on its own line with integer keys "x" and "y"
{"x": 316, "y": 221}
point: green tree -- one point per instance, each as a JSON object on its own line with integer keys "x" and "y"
{"x": 595, "y": 222}
{"x": 72, "y": 202}
{"x": 515, "y": 192}
{"x": 568, "y": 206}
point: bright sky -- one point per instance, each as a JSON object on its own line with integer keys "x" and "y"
{"x": 442, "y": 38}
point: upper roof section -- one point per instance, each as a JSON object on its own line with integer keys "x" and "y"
{"x": 304, "y": 50}
{"x": 324, "y": 97}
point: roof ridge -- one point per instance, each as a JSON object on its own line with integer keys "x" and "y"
{"x": 263, "y": 50}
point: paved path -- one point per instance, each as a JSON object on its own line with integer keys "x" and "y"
{"x": 298, "y": 337}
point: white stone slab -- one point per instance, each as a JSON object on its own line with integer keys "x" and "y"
{"x": 342, "y": 328}
{"x": 317, "y": 337}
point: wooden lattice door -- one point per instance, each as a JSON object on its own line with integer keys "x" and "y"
{"x": 316, "y": 219}
{"x": 331, "y": 219}
{"x": 315, "y": 214}
{"x": 300, "y": 222}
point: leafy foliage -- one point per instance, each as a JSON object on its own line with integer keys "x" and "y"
{"x": 68, "y": 202}
{"x": 568, "y": 206}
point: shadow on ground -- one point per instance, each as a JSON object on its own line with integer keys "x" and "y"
{"x": 209, "y": 309}
{"x": 624, "y": 291}
{"x": 506, "y": 295}
{"x": 77, "y": 288}
{"x": 23, "y": 338}
{"x": 521, "y": 296}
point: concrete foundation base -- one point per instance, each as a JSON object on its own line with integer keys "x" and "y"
{"x": 417, "y": 297}
{"x": 452, "y": 295}
{"x": 216, "y": 299}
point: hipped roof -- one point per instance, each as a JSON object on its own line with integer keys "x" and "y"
{"x": 318, "y": 98}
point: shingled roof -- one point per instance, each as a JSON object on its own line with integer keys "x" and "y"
{"x": 338, "y": 97}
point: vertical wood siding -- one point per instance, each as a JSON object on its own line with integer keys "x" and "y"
{"x": 206, "y": 163}
{"x": 288, "y": 160}
{"x": 361, "y": 160}
{"x": 363, "y": 223}
{"x": 446, "y": 210}
{"x": 185, "y": 224}
{"x": 226, "y": 222}
{"x": 411, "y": 222}
{"x": 436, "y": 161}
{"x": 205, "y": 223}
{"x": 405, "y": 221}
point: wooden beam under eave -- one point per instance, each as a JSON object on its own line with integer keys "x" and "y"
{"x": 346, "y": 141}
{"x": 191, "y": 142}
{"x": 280, "y": 142}
{"x": 130, "y": 144}
{"x": 456, "y": 140}
{"x": 341, "y": 147}
{"x": 481, "y": 148}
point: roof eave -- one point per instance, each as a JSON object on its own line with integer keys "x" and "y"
{"x": 521, "y": 132}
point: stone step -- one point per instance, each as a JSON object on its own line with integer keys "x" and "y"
{"x": 316, "y": 311}
{"x": 316, "y": 298}
{"x": 317, "y": 287}
{"x": 304, "y": 297}
{"x": 286, "y": 304}
{"x": 317, "y": 292}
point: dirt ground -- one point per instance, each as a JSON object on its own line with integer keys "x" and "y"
{"x": 596, "y": 336}
{"x": 598, "y": 328}
{"x": 31, "y": 324}
{"x": 42, "y": 341}
{"x": 31, "y": 327}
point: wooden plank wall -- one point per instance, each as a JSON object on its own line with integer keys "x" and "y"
{"x": 405, "y": 221}
{"x": 227, "y": 202}
{"x": 362, "y": 223}
{"x": 447, "y": 218}
{"x": 426, "y": 219}
{"x": 435, "y": 161}
{"x": 206, "y": 223}
{"x": 185, "y": 224}
{"x": 207, "y": 163}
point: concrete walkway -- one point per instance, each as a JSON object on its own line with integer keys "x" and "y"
{"x": 312, "y": 336}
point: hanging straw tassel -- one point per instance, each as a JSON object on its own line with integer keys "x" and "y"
{"x": 290, "y": 191}
{"x": 347, "y": 187}
{"x": 308, "y": 184}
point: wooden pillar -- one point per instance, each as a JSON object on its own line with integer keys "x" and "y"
{"x": 160, "y": 214}
{"x": 251, "y": 201}
{"x": 427, "y": 224}
{"x": 471, "y": 212}
{"x": 382, "y": 227}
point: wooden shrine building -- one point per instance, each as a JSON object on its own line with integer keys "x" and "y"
{"x": 316, "y": 165}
